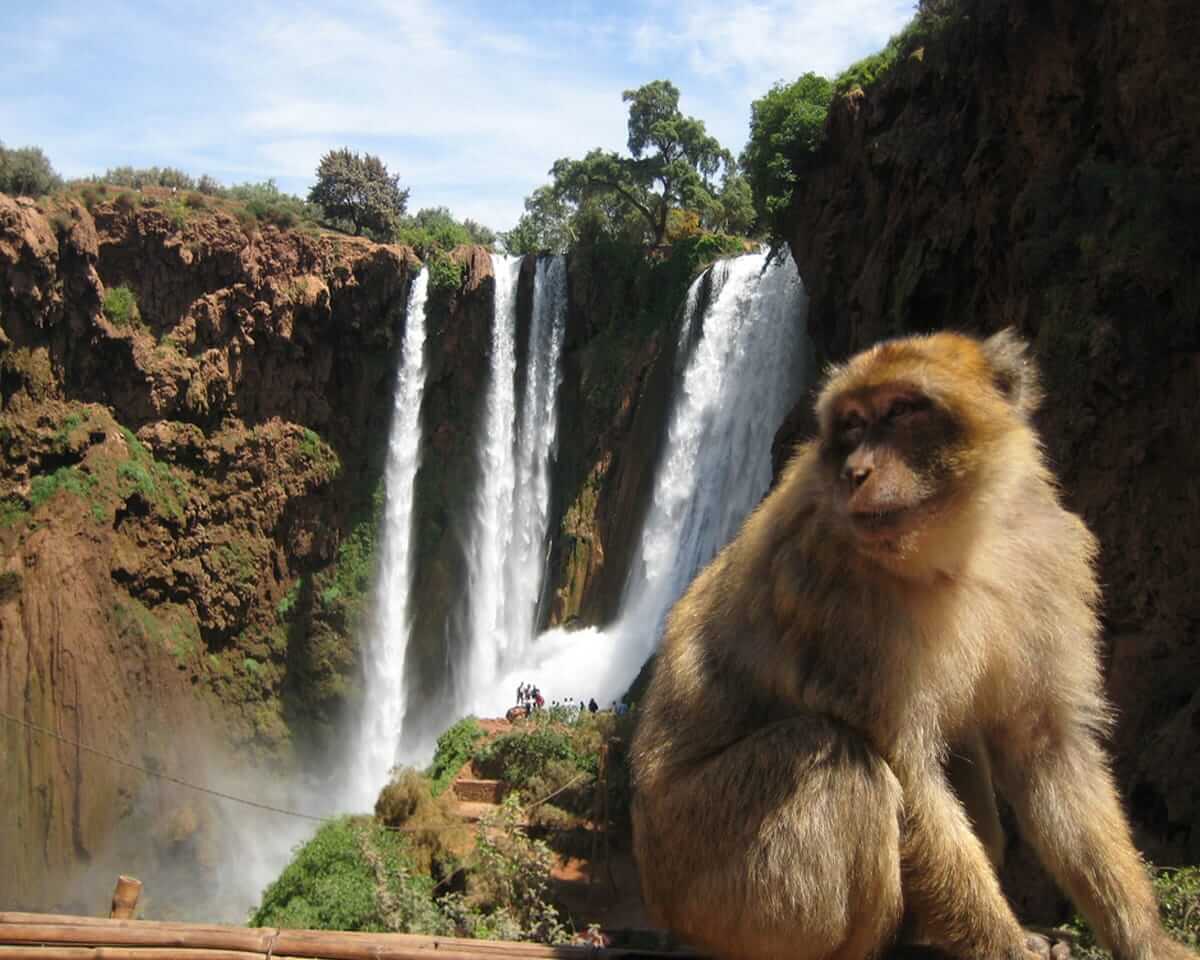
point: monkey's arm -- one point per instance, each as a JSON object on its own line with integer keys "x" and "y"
{"x": 1057, "y": 778}
{"x": 948, "y": 879}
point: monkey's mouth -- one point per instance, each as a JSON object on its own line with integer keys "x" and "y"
{"x": 881, "y": 524}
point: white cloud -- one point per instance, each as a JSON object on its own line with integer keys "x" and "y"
{"x": 772, "y": 39}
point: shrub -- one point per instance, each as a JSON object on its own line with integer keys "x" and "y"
{"x": 517, "y": 758}
{"x": 126, "y": 202}
{"x": 454, "y": 748}
{"x": 445, "y": 273}
{"x": 508, "y": 885}
{"x": 353, "y": 875}
{"x": 120, "y": 307}
{"x": 433, "y": 829}
{"x": 195, "y": 200}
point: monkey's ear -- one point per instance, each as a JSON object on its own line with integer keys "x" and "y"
{"x": 1013, "y": 370}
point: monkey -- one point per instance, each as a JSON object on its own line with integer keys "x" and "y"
{"x": 912, "y": 588}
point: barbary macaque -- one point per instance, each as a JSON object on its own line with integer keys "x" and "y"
{"x": 912, "y": 595}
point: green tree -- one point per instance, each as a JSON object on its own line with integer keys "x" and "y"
{"x": 786, "y": 125}
{"x": 26, "y": 172}
{"x": 359, "y": 190}
{"x": 547, "y": 225}
{"x": 673, "y": 162}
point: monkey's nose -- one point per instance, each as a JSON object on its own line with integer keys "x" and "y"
{"x": 856, "y": 475}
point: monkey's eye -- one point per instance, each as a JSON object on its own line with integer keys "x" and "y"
{"x": 905, "y": 407}
{"x": 851, "y": 429}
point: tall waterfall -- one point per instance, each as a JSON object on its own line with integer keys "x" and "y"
{"x": 387, "y": 637}
{"x": 744, "y": 375}
{"x": 506, "y": 554}
{"x": 744, "y": 367}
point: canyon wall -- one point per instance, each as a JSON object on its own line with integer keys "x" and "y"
{"x": 1037, "y": 165}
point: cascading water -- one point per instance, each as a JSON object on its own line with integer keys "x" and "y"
{"x": 387, "y": 638}
{"x": 492, "y": 528}
{"x": 745, "y": 373}
{"x": 507, "y": 552}
{"x": 745, "y": 369}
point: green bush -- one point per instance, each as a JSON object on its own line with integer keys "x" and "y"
{"x": 120, "y": 307}
{"x": 353, "y": 875}
{"x": 517, "y": 758}
{"x": 454, "y": 748}
{"x": 445, "y": 273}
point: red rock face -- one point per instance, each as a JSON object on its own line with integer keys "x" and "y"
{"x": 169, "y": 479}
{"x": 1038, "y": 167}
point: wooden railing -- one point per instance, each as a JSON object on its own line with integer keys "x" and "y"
{"x": 43, "y": 936}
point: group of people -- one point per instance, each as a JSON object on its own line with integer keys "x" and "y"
{"x": 530, "y": 697}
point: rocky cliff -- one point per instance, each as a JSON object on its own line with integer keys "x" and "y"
{"x": 1037, "y": 164}
{"x": 190, "y": 434}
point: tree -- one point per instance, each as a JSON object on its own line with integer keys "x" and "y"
{"x": 672, "y": 164}
{"x": 547, "y": 225}
{"x": 786, "y": 125}
{"x": 359, "y": 190}
{"x": 26, "y": 172}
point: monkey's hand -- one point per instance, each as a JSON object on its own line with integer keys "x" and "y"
{"x": 1042, "y": 947}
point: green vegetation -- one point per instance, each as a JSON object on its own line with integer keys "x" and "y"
{"x": 518, "y": 757}
{"x": 358, "y": 190}
{"x": 71, "y": 480}
{"x": 434, "y": 228}
{"x": 445, "y": 273}
{"x": 120, "y": 307}
{"x": 786, "y": 125}
{"x": 454, "y": 748}
{"x": 319, "y": 454}
{"x": 264, "y": 202}
{"x": 1178, "y": 890}
{"x": 168, "y": 626}
{"x": 353, "y": 875}
{"x": 673, "y": 164}
{"x": 155, "y": 482}
{"x": 12, "y": 512}
{"x": 26, "y": 172}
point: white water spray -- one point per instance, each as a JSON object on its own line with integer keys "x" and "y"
{"x": 746, "y": 370}
{"x": 507, "y": 549}
{"x": 387, "y": 636}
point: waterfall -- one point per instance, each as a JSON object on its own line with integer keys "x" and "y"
{"x": 744, "y": 375}
{"x": 507, "y": 548}
{"x": 388, "y": 628}
{"x": 743, "y": 365}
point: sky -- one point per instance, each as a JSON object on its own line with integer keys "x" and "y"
{"x": 470, "y": 103}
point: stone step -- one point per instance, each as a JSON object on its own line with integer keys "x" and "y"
{"x": 480, "y": 791}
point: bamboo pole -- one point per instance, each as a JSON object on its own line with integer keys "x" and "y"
{"x": 77, "y": 938}
{"x": 125, "y": 898}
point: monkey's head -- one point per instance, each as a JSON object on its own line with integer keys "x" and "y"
{"x": 918, "y": 435}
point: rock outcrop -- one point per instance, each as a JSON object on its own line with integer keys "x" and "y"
{"x": 1037, "y": 165}
{"x": 191, "y": 433}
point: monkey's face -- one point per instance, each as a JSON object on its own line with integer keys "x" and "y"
{"x": 894, "y": 450}
{"x": 907, "y": 429}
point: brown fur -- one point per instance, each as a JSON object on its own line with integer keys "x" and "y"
{"x": 912, "y": 602}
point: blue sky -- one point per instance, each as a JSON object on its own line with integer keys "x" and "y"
{"x": 469, "y": 102}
